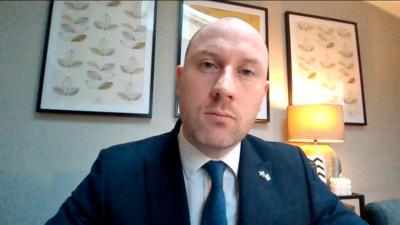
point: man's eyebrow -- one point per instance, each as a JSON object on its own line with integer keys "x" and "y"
{"x": 252, "y": 60}
{"x": 207, "y": 53}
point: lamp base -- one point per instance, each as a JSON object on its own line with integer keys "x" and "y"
{"x": 330, "y": 161}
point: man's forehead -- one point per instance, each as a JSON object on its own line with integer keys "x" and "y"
{"x": 230, "y": 34}
{"x": 217, "y": 53}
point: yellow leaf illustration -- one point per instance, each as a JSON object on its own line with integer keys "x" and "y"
{"x": 105, "y": 85}
{"x": 76, "y": 63}
{"x": 58, "y": 90}
{"x": 352, "y": 80}
{"x": 139, "y": 45}
{"x": 312, "y": 75}
{"x": 68, "y": 18}
{"x": 79, "y": 38}
{"x": 95, "y": 65}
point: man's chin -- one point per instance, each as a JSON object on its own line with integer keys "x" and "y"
{"x": 217, "y": 138}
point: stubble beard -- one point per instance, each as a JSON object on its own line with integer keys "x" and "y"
{"x": 213, "y": 137}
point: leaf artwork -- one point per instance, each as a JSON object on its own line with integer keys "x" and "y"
{"x": 129, "y": 26}
{"x": 68, "y": 18}
{"x": 131, "y": 68}
{"x": 72, "y": 30}
{"x": 323, "y": 37}
{"x": 302, "y": 66}
{"x": 351, "y": 80}
{"x": 348, "y": 66}
{"x": 137, "y": 28}
{"x": 325, "y": 30}
{"x": 327, "y": 63}
{"x": 129, "y": 94}
{"x": 330, "y": 45}
{"x": 69, "y": 61}
{"x": 108, "y": 67}
{"x": 79, "y": 38}
{"x": 136, "y": 11}
{"x": 66, "y": 88}
{"x": 105, "y": 85}
{"x": 130, "y": 44}
{"x": 304, "y": 26}
{"x": 344, "y": 72}
{"x": 350, "y": 101}
{"x": 312, "y": 75}
{"x": 114, "y": 3}
{"x": 306, "y": 64}
{"x": 128, "y": 35}
{"x": 105, "y": 23}
{"x": 311, "y": 60}
{"x": 306, "y": 46}
{"x": 326, "y": 40}
{"x": 346, "y": 52}
{"x": 103, "y": 49}
{"x": 94, "y": 75}
{"x": 94, "y": 64}
{"x": 98, "y": 84}
{"x": 67, "y": 28}
{"x": 139, "y": 45}
{"x": 76, "y": 5}
{"x": 342, "y": 32}
{"x": 81, "y": 21}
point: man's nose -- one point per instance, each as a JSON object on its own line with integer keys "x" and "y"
{"x": 225, "y": 85}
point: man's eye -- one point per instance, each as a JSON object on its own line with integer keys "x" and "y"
{"x": 208, "y": 67}
{"x": 246, "y": 72}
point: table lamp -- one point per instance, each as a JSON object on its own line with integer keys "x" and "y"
{"x": 318, "y": 123}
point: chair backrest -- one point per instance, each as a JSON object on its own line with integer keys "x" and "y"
{"x": 383, "y": 212}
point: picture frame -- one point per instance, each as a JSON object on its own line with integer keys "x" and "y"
{"x": 324, "y": 64}
{"x": 355, "y": 202}
{"x": 195, "y": 14}
{"x": 99, "y": 58}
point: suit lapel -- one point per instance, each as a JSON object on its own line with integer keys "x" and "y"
{"x": 257, "y": 195}
{"x": 166, "y": 186}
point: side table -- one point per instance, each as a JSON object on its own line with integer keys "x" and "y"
{"x": 356, "y": 200}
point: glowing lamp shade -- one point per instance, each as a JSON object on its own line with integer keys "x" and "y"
{"x": 316, "y": 123}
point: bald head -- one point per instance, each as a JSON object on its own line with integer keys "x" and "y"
{"x": 227, "y": 26}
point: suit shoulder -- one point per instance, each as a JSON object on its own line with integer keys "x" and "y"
{"x": 138, "y": 150}
{"x": 271, "y": 145}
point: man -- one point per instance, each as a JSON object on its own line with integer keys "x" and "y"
{"x": 207, "y": 170}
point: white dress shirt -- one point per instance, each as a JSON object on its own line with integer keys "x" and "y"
{"x": 198, "y": 183}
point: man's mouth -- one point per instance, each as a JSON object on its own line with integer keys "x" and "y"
{"x": 220, "y": 114}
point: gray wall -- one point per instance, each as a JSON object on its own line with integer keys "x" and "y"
{"x": 44, "y": 156}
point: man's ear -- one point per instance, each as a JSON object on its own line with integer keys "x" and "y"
{"x": 179, "y": 73}
{"x": 266, "y": 86}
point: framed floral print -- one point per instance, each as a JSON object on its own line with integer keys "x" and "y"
{"x": 98, "y": 58}
{"x": 324, "y": 64}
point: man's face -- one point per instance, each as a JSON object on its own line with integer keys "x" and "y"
{"x": 221, "y": 86}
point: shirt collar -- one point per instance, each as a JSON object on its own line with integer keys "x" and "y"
{"x": 192, "y": 159}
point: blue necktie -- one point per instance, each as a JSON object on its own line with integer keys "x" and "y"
{"x": 214, "y": 210}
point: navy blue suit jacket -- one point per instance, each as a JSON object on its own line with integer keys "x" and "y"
{"x": 142, "y": 183}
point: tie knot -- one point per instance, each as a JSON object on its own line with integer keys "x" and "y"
{"x": 216, "y": 171}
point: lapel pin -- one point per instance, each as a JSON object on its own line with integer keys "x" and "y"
{"x": 264, "y": 175}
